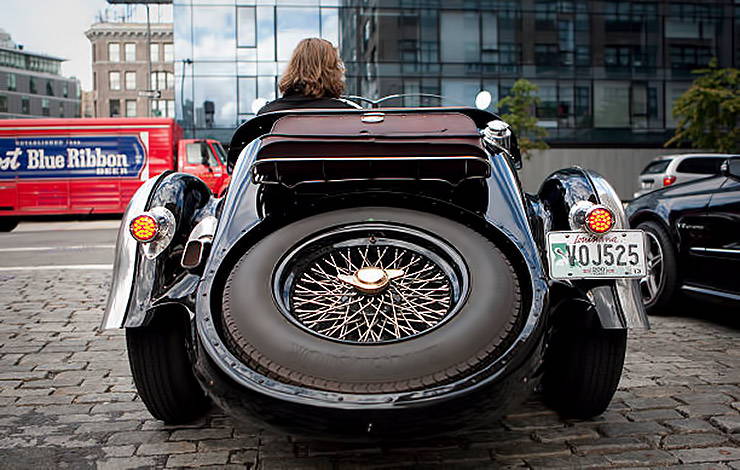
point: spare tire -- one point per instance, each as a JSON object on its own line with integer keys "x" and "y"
{"x": 370, "y": 300}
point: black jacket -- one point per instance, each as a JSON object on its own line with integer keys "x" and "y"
{"x": 293, "y": 101}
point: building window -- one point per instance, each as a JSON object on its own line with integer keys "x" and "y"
{"x": 3, "y": 104}
{"x": 32, "y": 85}
{"x": 162, "y": 80}
{"x": 154, "y": 52}
{"x": 169, "y": 53}
{"x": 61, "y": 109}
{"x": 12, "y": 84}
{"x": 45, "y": 106}
{"x": 246, "y": 27}
{"x": 130, "y": 108}
{"x": 611, "y": 104}
{"x": 115, "y": 108}
{"x": 114, "y": 52}
{"x": 130, "y": 51}
{"x": 114, "y": 80}
{"x": 25, "y": 105}
{"x": 689, "y": 57}
{"x": 546, "y": 54}
{"x": 461, "y": 31}
{"x": 163, "y": 108}
{"x": 65, "y": 90}
{"x": 49, "y": 89}
{"x": 130, "y": 80}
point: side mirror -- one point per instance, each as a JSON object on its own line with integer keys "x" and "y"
{"x": 499, "y": 136}
{"x": 731, "y": 168}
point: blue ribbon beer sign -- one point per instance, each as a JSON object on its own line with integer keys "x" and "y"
{"x": 71, "y": 157}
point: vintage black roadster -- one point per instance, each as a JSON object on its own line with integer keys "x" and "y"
{"x": 375, "y": 274}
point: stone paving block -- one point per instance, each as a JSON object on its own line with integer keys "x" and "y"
{"x": 119, "y": 451}
{"x": 684, "y": 441}
{"x": 631, "y": 429}
{"x": 201, "y": 434}
{"x": 705, "y": 409}
{"x": 128, "y": 463}
{"x": 696, "y": 398}
{"x": 524, "y": 451}
{"x": 729, "y": 424}
{"x": 107, "y": 427}
{"x": 648, "y": 457}
{"x": 574, "y": 461}
{"x": 568, "y": 434}
{"x": 166, "y": 448}
{"x": 653, "y": 415}
{"x": 212, "y": 445}
{"x": 137, "y": 437}
{"x": 609, "y": 444}
{"x": 711, "y": 454}
{"x": 651, "y": 402}
{"x": 689, "y": 425}
{"x": 199, "y": 459}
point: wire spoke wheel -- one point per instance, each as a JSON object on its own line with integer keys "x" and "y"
{"x": 370, "y": 284}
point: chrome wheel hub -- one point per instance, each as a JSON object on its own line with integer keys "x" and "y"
{"x": 371, "y": 285}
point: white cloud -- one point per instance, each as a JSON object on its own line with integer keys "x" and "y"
{"x": 57, "y": 27}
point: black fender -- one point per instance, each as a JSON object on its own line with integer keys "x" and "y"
{"x": 142, "y": 285}
{"x": 618, "y": 302}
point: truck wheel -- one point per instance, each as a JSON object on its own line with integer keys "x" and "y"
{"x": 371, "y": 300}
{"x": 582, "y": 370}
{"x": 162, "y": 371}
{"x": 659, "y": 286}
{"x": 7, "y": 224}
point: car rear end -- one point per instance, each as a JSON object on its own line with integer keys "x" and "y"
{"x": 655, "y": 175}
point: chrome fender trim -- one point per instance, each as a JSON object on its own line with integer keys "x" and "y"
{"x": 124, "y": 265}
{"x": 619, "y": 306}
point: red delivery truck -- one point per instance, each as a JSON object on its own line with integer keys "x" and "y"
{"x": 94, "y": 166}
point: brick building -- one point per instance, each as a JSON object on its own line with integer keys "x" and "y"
{"x": 126, "y": 64}
{"x": 31, "y": 84}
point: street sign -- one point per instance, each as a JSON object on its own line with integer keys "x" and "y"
{"x": 151, "y": 93}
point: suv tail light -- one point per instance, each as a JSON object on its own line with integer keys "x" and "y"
{"x": 669, "y": 180}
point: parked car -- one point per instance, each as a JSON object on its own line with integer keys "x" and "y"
{"x": 375, "y": 274}
{"x": 93, "y": 166}
{"x": 675, "y": 169}
{"x": 693, "y": 233}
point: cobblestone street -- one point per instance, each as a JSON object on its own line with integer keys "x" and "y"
{"x": 67, "y": 401}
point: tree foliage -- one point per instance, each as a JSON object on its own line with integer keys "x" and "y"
{"x": 707, "y": 112}
{"x": 519, "y": 105}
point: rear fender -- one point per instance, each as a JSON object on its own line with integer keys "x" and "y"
{"x": 618, "y": 302}
{"x": 142, "y": 284}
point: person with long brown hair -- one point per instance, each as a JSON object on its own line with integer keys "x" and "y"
{"x": 314, "y": 78}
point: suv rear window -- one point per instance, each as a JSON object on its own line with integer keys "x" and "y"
{"x": 656, "y": 167}
{"x": 703, "y": 165}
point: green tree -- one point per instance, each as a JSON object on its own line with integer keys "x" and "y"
{"x": 519, "y": 105}
{"x": 707, "y": 112}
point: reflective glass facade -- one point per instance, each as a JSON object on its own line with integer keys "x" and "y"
{"x": 608, "y": 71}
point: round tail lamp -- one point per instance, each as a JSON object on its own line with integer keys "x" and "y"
{"x": 144, "y": 228}
{"x": 599, "y": 220}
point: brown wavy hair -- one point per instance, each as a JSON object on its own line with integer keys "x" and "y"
{"x": 315, "y": 70}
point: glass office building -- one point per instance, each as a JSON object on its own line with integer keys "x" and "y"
{"x": 608, "y": 71}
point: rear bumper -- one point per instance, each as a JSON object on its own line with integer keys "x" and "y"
{"x": 445, "y": 410}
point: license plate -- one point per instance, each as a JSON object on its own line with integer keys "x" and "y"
{"x": 580, "y": 255}
{"x": 647, "y": 184}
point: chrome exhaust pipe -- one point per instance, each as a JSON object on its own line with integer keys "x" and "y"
{"x": 199, "y": 241}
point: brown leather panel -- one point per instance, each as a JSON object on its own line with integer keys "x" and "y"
{"x": 326, "y": 136}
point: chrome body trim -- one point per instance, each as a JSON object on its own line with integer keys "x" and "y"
{"x": 631, "y": 312}
{"x": 166, "y": 221}
{"x": 712, "y": 292}
{"x": 714, "y": 250}
{"x": 124, "y": 265}
{"x": 201, "y": 236}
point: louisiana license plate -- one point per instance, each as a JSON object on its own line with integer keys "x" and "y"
{"x": 580, "y": 255}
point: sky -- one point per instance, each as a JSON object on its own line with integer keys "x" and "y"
{"x": 57, "y": 28}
